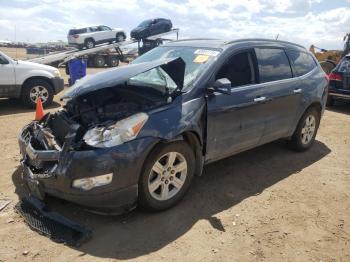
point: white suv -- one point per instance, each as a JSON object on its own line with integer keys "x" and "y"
{"x": 90, "y": 36}
{"x": 27, "y": 80}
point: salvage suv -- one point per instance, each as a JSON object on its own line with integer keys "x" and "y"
{"x": 90, "y": 36}
{"x": 138, "y": 134}
{"x": 27, "y": 81}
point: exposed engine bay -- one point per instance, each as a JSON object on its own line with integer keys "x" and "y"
{"x": 101, "y": 107}
{"x": 111, "y": 104}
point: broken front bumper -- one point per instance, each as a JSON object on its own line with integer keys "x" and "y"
{"x": 53, "y": 171}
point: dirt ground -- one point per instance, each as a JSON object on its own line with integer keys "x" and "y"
{"x": 267, "y": 204}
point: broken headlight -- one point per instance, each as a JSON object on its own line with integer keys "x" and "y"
{"x": 116, "y": 134}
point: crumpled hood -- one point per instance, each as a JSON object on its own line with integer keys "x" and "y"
{"x": 174, "y": 67}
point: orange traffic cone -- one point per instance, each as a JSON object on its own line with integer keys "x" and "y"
{"x": 39, "y": 111}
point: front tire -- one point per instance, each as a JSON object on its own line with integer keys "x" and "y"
{"x": 166, "y": 176}
{"x": 34, "y": 88}
{"x": 305, "y": 133}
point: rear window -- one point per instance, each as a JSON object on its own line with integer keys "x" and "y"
{"x": 77, "y": 31}
{"x": 273, "y": 64}
{"x": 303, "y": 62}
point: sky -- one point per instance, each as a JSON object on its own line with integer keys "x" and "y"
{"x": 319, "y": 22}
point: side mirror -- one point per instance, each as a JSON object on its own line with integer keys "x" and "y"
{"x": 222, "y": 85}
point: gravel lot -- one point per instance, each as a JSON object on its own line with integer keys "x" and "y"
{"x": 267, "y": 204}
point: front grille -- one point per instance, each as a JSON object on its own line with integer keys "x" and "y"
{"x": 51, "y": 224}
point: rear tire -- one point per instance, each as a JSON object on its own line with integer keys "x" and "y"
{"x": 36, "y": 87}
{"x": 305, "y": 133}
{"x": 162, "y": 183}
{"x": 120, "y": 37}
{"x": 113, "y": 61}
{"x": 99, "y": 61}
{"x": 89, "y": 43}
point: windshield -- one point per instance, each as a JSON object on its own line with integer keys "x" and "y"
{"x": 156, "y": 78}
{"x": 195, "y": 58}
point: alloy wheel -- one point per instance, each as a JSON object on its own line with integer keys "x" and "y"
{"x": 90, "y": 44}
{"x": 120, "y": 38}
{"x": 167, "y": 176}
{"x": 39, "y": 91}
{"x": 308, "y": 130}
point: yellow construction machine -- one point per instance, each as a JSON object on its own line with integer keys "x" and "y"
{"x": 330, "y": 58}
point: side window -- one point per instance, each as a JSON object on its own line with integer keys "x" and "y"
{"x": 303, "y": 62}
{"x": 3, "y": 60}
{"x": 273, "y": 64}
{"x": 93, "y": 29}
{"x": 239, "y": 69}
{"x": 104, "y": 28}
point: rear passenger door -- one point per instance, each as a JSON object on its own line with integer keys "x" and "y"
{"x": 306, "y": 72}
{"x": 281, "y": 92}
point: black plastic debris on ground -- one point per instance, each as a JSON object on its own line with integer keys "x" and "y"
{"x": 52, "y": 224}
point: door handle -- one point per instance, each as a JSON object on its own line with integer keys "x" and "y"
{"x": 260, "y": 99}
{"x": 297, "y": 91}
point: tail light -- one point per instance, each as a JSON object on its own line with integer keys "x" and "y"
{"x": 335, "y": 77}
{"x": 75, "y": 36}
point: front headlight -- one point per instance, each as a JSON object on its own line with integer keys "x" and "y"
{"x": 57, "y": 73}
{"x": 116, "y": 134}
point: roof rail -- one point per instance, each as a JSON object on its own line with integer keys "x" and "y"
{"x": 262, "y": 39}
{"x": 194, "y": 39}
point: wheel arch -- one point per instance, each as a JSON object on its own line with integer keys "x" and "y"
{"x": 43, "y": 78}
{"x": 317, "y": 105}
{"x": 120, "y": 33}
{"x": 192, "y": 138}
{"x": 89, "y": 38}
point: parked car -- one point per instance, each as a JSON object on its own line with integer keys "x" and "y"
{"x": 27, "y": 81}
{"x": 339, "y": 82}
{"x": 139, "y": 133}
{"x": 151, "y": 27}
{"x": 90, "y": 36}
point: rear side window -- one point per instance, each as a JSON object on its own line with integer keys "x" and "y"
{"x": 273, "y": 64}
{"x": 77, "y": 31}
{"x": 3, "y": 60}
{"x": 303, "y": 62}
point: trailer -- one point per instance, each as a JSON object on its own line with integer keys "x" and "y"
{"x": 107, "y": 54}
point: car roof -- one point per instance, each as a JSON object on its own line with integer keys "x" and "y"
{"x": 224, "y": 44}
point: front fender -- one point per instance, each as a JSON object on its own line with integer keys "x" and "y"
{"x": 170, "y": 122}
{"x": 23, "y": 75}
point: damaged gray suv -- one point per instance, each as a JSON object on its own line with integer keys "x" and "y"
{"x": 138, "y": 134}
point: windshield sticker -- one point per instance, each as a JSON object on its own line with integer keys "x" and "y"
{"x": 206, "y": 52}
{"x": 200, "y": 59}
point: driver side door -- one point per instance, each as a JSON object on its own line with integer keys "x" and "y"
{"x": 7, "y": 78}
{"x": 235, "y": 121}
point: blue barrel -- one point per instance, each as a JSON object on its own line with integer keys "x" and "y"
{"x": 77, "y": 70}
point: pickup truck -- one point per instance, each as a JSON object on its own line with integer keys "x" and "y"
{"x": 27, "y": 81}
